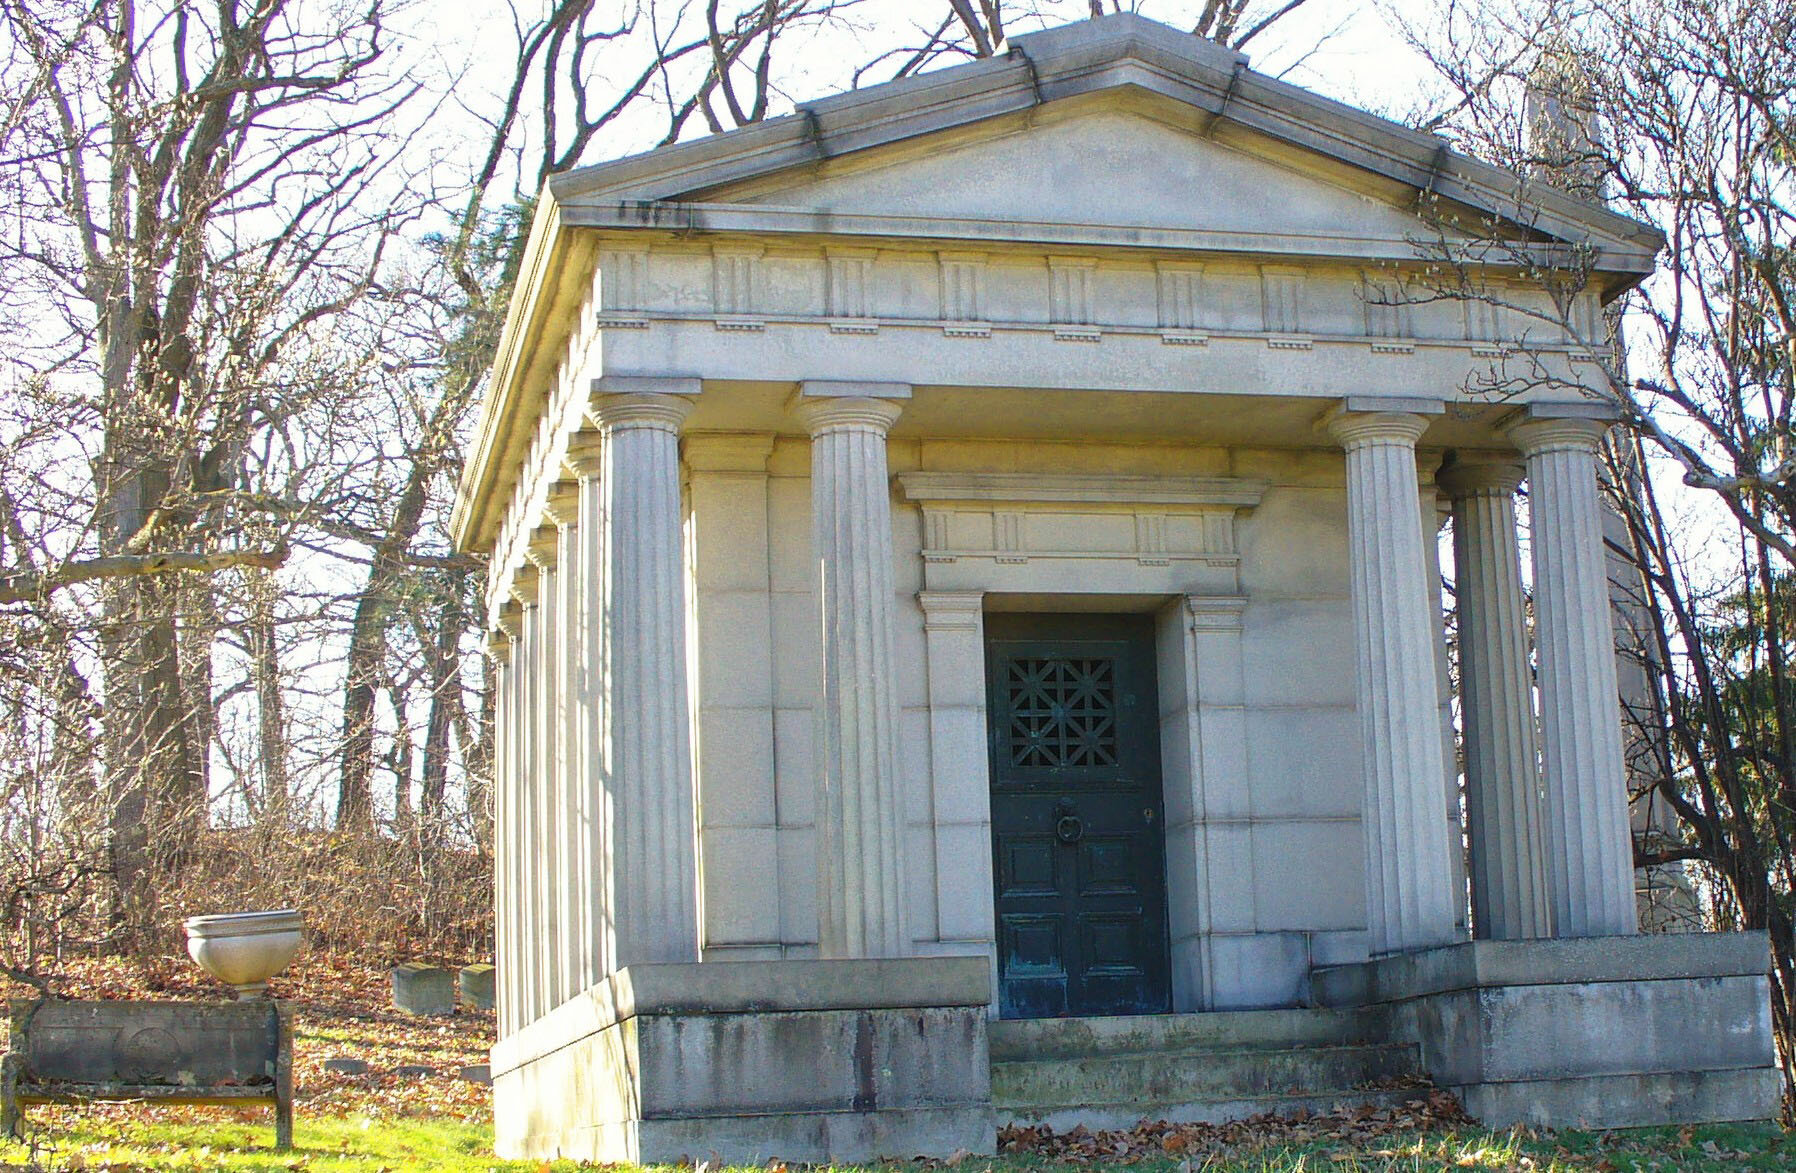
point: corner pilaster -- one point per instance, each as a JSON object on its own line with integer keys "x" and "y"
{"x": 954, "y": 648}
{"x": 1203, "y": 738}
{"x": 730, "y": 610}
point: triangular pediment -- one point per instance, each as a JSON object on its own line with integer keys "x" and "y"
{"x": 1107, "y": 165}
{"x": 1114, "y": 120}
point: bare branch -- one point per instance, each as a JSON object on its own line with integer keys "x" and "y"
{"x": 23, "y": 585}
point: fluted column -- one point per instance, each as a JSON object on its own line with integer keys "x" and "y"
{"x": 562, "y": 510}
{"x": 1434, "y": 515}
{"x": 1509, "y": 891}
{"x": 642, "y": 633}
{"x": 525, "y": 872}
{"x": 539, "y": 781}
{"x": 588, "y": 818}
{"x": 1408, "y": 874}
{"x": 1590, "y": 865}
{"x": 498, "y": 650}
{"x": 860, "y": 815}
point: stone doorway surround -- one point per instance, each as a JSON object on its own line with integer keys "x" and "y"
{"x": 1170, "y": 532}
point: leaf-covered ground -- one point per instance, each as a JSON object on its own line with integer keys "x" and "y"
{"x": 390, "y": 1144}
{"x": 1429, "y": 1133}
{"x": 342, "y": 1009}
{"x": 386, "y": 1121}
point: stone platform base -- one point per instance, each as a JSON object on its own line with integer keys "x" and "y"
{"x": 744, "y": 1062}
{"x": 1603, "y": 1032}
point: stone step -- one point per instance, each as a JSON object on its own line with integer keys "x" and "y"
{"x": 1128, "y": 1113}
{"x": 1194, "y": 1076}
{"x": 1235, "y": 1030}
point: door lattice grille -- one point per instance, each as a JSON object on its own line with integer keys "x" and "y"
{"x": 1062, "y": 712}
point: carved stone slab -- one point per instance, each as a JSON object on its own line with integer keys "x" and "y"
{"x": 166, "y": 1051}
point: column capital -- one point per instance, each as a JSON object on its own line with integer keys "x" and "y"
{"x": 525, "y": 585}
{"x": 1535, "y": 436}
{"x": 510, "y": 620}
{"x": 542, "y": 548}
{"x": 951, "y": 609}
{"x": 608, "y": 385}
{"x": 498, "y": 646}
{"x": 585, "y": 454}
{"x": 1481, "y": 476}
{"x": 660, "y": 411}
{"x": 851, "y": 389}
{"x": 857, "y": 413}
{"x": 1356, "y": 429}
{"x": 562, "y": 506}
{"x": 1214, "y": 612}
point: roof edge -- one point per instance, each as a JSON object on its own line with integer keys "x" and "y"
{"x": 1081, "y": 58}
{"x": 531, "y": 295}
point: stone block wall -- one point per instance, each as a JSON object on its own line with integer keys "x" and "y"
{"x": 803, "y": 1061}
{"x": 1259, "y": 770}
{"x": 1595, "y": 1032}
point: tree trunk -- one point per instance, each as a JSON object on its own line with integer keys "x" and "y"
{"x": 445, "y": 705}
{"x": 368, "y": 632}
{"x": 269, "y": 804}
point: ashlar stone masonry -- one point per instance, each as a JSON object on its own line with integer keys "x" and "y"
{"x": 968, "y": 554}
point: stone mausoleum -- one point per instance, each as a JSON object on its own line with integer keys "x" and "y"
{"x": 967, "y": 616}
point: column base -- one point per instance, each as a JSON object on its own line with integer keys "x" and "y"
{"x": 1596, "y": 1032}
{"x": 826, "y": 1062}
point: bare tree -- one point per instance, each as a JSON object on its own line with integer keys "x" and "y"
{"x": 200, "y": 189}
{"x": 717, "y": 62}
{"x": 979, "y": 29}
{"x": 1679, "y": 114}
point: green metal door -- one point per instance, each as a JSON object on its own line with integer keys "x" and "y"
{"x": 1079, "y": 851}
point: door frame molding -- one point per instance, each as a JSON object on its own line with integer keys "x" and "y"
{"x": 1203, "y": 773}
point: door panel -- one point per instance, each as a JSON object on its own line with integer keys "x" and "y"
{"x": 1079, "y": 853}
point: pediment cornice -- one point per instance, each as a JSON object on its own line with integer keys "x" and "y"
{"x": 1120, "y": 53}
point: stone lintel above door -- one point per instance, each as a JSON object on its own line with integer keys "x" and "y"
{"x": 1055, "y": 533}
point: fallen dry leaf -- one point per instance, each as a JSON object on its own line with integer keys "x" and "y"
{"x": 1159, "y": 1138}
{"x": 342, "y": 1008}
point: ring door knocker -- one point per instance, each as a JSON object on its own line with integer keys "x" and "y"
{"x": 1067, "y": 826}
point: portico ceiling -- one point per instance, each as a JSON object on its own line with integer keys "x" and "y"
{"x": 1100, "y": 415}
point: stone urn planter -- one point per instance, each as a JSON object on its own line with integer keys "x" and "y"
{"x": 244, "y": 949}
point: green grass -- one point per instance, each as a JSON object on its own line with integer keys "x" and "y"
{"x": 353, "y": 1144}
{"x": 1709, "y": 1149}
{"x": 112, "y": 1142}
